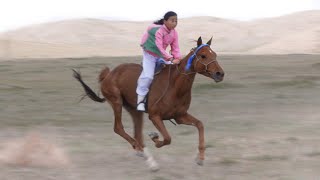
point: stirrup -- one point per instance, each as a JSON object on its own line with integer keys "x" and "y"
{"x": 141, "y": 107}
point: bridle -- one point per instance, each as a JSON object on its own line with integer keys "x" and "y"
{"x": 191, "y": 58}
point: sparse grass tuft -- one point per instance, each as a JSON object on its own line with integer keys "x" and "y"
{"x": 308, "y": 78}
{"x": 227, "y": 161}
{"x": 209, "y": 146}
{"x": 292, "y": 83}
{"x": 313, "y": 154}
{"x": 159, "y": 178}
{"x": 186, "y": 133}
{"x": 292, "y": 139}
{"x": 13, "y": 87}
{"x": 206, "y": 86}
{"x": 268, "y": 157}
{"x": 316, "y": 65}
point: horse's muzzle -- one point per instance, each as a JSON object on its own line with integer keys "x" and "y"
{"x": 218, "y": 76}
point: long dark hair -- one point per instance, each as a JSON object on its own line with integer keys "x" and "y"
{"x": 165, "y": 17}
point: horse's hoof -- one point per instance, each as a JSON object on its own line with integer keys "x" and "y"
{"x": 153, "y": 135}
{"x": 154, "y": 168}
{"x": 153, "y": 165}
{"x": 199, "y": 161}
{"x": 140, "y": 154}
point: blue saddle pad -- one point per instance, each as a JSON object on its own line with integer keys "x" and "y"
{"x": 159, "y": 66}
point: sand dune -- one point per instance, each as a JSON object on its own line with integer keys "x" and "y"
{"x": 289, "y": 34}
{"x": 307, "y": 41}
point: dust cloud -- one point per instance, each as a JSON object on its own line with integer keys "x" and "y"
{"x": 32, "y": 150}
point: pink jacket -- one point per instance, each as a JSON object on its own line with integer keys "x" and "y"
{"x": 156, "y": 40}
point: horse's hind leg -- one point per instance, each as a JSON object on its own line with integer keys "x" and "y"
{"x": 116, "y": 103}
{"x": 137, "y": 118}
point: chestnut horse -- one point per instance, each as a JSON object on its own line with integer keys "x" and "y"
{"x": 169, "y": 96}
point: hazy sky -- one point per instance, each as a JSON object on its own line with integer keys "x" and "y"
{"x": 18, "y": 13}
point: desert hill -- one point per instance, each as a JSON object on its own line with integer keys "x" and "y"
{"x": 290, "y": 34}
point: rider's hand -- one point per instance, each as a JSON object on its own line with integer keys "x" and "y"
{"x": 175, "y": 61}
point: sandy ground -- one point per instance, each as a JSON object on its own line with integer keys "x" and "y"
{"x": 261, "y": 122}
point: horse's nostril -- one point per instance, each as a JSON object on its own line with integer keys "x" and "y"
{"x": 219, "y": 74}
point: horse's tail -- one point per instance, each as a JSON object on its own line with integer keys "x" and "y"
{"x": 89, "y": 92}
{"x": 103, "y": 74}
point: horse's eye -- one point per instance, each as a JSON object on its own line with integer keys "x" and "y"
{"x": 203, "y": 56}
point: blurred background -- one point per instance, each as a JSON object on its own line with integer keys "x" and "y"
{"x": 261, "y": 122}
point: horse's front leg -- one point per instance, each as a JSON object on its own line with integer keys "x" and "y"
{"x": 158, "y": 123}
{"x": 190, "y": 120}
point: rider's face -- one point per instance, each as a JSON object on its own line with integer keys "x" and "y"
{"x": 172, "y": 22}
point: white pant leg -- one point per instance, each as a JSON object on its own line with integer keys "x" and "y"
{"x": 146, "y": 76}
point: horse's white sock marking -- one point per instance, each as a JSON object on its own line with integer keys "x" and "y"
{"x": 153, "y": 165}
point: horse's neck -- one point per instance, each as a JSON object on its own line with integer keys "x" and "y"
{"x": 183, "y": 80}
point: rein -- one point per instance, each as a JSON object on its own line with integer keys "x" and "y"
{"x": 165, "y": 91}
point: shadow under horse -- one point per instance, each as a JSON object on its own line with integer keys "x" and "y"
{"x": 169, "y": 96}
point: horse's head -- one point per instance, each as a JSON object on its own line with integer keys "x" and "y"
{"x": 203, "y": 60}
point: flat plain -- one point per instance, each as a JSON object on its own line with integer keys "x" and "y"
{"x": 261, "y": 122}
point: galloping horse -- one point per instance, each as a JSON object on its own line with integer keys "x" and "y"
{"x": 169, "y": 96}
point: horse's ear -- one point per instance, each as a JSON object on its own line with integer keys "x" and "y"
{"x": 199, "y": 42}
{"x": 209, "y": 42}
